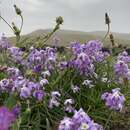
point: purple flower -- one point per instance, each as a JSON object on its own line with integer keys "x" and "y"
{"x": 56, "y": 41}
{"x": 84, "y": 64}
{"x": 19, "y": 82}
{"x": 86, "y": 56}
{"x": 114, "y": 100}
{"x": 35, "y": 57}
{"x": 16, "y": 54}
{"x": 4, "y": 84}
{"x": 37, "y": 68}
{"x": 13, "y": 72}
{"x": 25, "y": 92}
{"x": 124, "y": 57}
{"x": 6, "y": 118}
{"x": 33, "y": 86}
{"x": 80, "y": 116}
{"x": 4, "y": 43}
{"x": 76, "y": 47}
{"x": 66, "y": 124}
{"x": 16, "y": 110}
{"x": 82, "y": 121}
{"x": 44, "y": 82}
{"x": 121, "y": 69}
{"x": 79, "y": 121}
{"x": 63, "y": 65}
{"x": 39, "y": 94}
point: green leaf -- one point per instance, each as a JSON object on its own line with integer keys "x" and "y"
{"x": 15, "y": 126}
{"x": 48, "y": 126}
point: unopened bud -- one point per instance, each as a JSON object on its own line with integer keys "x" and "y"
{"x": 16, "y": 30}
{"x": 59, "y": 20}
{"x": 107, "y": 19}
{"x": 17, "y": 10}
{"x": 112, "y": 39}
{"x": 28, "y": 111}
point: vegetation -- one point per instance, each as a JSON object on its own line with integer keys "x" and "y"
{"x": 80, "y": 87}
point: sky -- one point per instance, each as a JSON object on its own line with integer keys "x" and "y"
{"x": 82, "y": 15}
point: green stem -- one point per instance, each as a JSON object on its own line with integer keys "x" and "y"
{"x": 108, "y": 120}
{"x": 108, "y": 30}
{"x": 7, "y": 23}
{"x": 21, "y": 23}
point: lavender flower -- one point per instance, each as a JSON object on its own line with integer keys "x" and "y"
{"x": 121, "y": 69}
{"x": 124, "y": 57}
{"x": 86, "y": 56}
{"x": 13, "y": 72}
{"x": 16, "y": 110}
{"x": 25, "y": 92}
{"x": 115, "y": 100}
{"x": 4, "y": 43}
{"x": 66, "y": 124}
{"x": 6, "y": 118}
{"x": 18, "y": 83}
{"x": 39, "y": 94}
{"x": 44, "y": 82}
{"x": 80, "y": 121}
{"x": 56, "y": 41}
{"x": 16, "y": 54}
{"x": 63, "y": 65}
{"x": 4, "y": 84}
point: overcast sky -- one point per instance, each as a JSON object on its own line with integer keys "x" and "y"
{"x": 84, "y": 15}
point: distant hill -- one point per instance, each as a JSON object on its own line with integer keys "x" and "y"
{"x": 67, "y": 36}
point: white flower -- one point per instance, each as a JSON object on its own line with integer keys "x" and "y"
{"x": 88, "y": 83}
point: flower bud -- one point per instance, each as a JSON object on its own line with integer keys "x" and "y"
{"x": 107, "y": 19}
{"x": 59, "y": 20}
{"x": 112, "y": 39}
{"x": 16, "y": 30}
{"x": 17, "y": 10}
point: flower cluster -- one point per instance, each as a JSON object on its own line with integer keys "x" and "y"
{"x": 16, "y": 83}
{"x": 121, "y": 68}
{"x": 86, "y": 55}
{"x": 16, "y": 53}
{"x": 29, "y": 74}
{"x": 79, "y": 121}
{"x": 37, "y": 60}
{"x": 115, "y": 100}
{"x": 29, "y": 79}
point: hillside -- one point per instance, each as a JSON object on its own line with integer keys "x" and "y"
{"x": 67, "y": 36}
